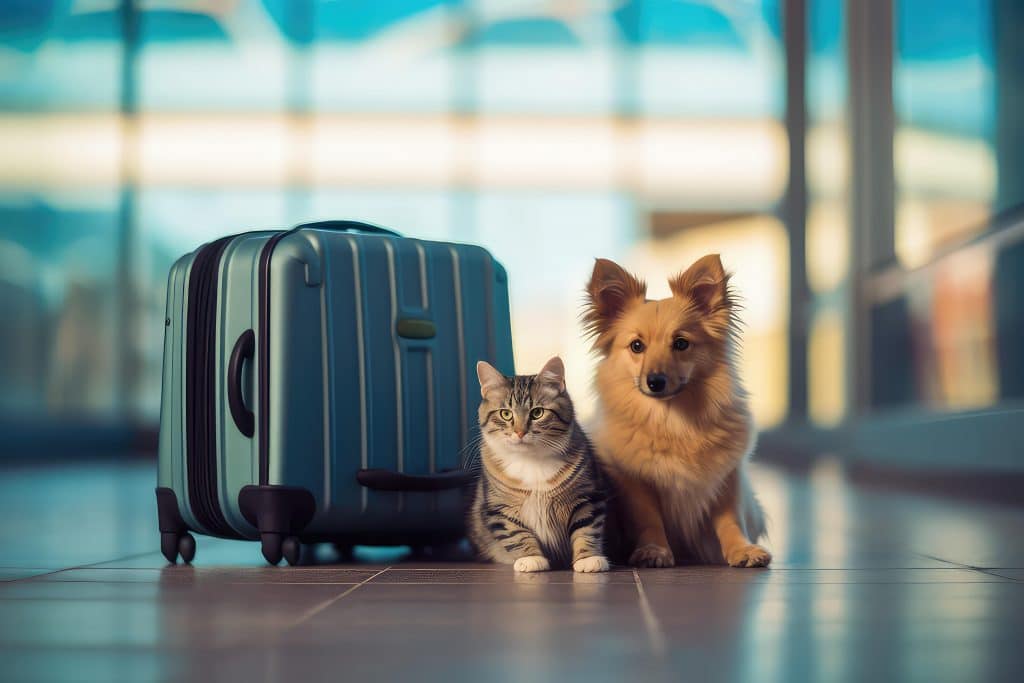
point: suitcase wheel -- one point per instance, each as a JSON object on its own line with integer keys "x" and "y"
{"x": 187, "y": 548}
{"x": 271, "y": 547}
{"x": 292, "y": 550}
{"x": 172, "y": 545}
{"x": 279, "y": 512}
{"x": 276, "y": 546}
{"x": 169, "y": 546}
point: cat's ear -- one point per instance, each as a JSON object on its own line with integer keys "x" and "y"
{"x": 490, "y": 378}
{"x": 610, "y": 292}
{"x": 705, "y": 283}
{"x": 553, "y": 373}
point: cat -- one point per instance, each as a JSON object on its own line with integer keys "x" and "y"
{"x": 540, "y": 499}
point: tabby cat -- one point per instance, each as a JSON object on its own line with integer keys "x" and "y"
{"x": 540, "y": 500}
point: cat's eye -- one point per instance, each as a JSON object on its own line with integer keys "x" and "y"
{"x": 537, "y": 413}
{"x": 680, "y": 343}
{"x": 637, "y": 346}
{"x": 505, "y": 414}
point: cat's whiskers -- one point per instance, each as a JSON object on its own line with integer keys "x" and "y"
{"x": 469, "y": 454}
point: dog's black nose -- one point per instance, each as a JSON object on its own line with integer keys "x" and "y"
{"x": 656, "y": 382}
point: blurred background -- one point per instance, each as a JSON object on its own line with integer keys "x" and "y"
{"x": 857, "y": 164}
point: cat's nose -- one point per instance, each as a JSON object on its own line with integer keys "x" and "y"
{"x": 519, "y": 433}
{"x": 656, "y": 382}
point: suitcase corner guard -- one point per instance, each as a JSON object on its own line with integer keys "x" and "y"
{"x": 280, "y": 513}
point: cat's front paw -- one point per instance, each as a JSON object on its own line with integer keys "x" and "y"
{"x": 532, "y": 563}
{"x": 652, "y": 555}
{"x": 594, "y": 563}
{"x": 749, "y": 556}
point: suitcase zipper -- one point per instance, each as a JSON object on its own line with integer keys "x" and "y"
{"x": 200, "y": 390}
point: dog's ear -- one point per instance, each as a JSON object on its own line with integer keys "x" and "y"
{"x": 553, "y": 373}
{"x": 610, "y": 291}
{"x": 705, "y": 283}
{"x": 490, "y": 378}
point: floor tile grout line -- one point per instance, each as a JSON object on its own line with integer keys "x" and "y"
{"x": 995, "y": 572}
{"x": 991, "y": 571}
{"x": 307, "y": 568}
{"x": 227, "y": 567}
{"x": 693, "y": 570}
{"x": 33, "y": 577}
{"x": 956, "y": 565}
{"x": 81, "y": 566}
{"x": 500, "y": 583}
{"x": 313, "y": 611}
{"x": 651, "y": 623}
{"x": 26, "y": 569}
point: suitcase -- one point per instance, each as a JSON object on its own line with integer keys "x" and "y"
{"x": 319, "y": 385}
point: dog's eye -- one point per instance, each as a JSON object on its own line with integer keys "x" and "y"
{"x": 506, "y": 415}
{"x": 537, "y": 413}
{"x": 680, "y": 344}
{"x": 637, "y": 346}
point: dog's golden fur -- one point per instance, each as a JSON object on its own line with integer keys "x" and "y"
{"x": 676, "y": 447}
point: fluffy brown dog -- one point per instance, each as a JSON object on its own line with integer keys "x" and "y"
{"x": 674, "y": 430}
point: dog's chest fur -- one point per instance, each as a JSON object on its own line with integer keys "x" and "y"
{"x": 686, "y": 465}
{"x": 686, "y": 513}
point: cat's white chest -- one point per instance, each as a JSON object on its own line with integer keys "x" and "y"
{"x": 532, "y": 472}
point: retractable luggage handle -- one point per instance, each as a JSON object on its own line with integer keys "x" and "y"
{"x": 387, "y": 480}
{"x": 346, "y": 226}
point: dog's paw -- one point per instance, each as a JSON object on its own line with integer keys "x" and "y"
{"x": 532, "y": 563}
{"x": 652, "y": 555}
{"x": 749, "y": 556}
{"x": 594, "y": 563}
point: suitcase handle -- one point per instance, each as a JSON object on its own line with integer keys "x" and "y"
{"x": 347, "y": 226}
{"x": 243, "y": 351}
{"x": 386, "y": 480}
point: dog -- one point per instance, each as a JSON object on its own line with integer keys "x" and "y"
{"x": 674, "y": 431}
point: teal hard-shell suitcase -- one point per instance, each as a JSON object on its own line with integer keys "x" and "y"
{"x": 319, "y": 384}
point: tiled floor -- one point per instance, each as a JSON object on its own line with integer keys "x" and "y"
{"x": 867, "y": 586}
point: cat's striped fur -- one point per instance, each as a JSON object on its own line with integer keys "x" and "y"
{"x": 540, "y": 500}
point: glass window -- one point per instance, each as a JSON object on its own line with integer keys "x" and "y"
{"x": 60, "y": 56}
{"x": 60, "y": 88}
{"x": 212, "y": 56}
{"x": 550, "y": 133}
{"x": 946, "y": 85}
{"x": 687, "y": 50}
{"x": 59, "y": 298}
{"x": 398, "y": 57}
{"x": 524, "y": 57}
{"x": 828, "y": 238}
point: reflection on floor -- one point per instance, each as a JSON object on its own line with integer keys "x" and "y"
{"x": 867, "y": 585}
